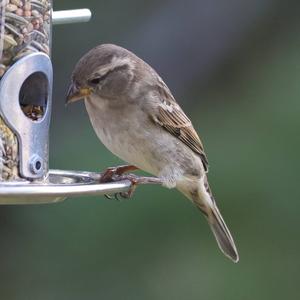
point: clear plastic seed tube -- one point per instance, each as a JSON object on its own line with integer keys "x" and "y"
{"x": 25, "y": 29}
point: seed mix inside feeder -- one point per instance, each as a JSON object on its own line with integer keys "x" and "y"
{"x": 25, "y": 29}
{"x": 25, "y": 108}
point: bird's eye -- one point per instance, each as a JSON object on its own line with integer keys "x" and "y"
{"x": 95, "y": 80}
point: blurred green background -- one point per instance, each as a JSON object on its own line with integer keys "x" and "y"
{"x": 234, "y": 68}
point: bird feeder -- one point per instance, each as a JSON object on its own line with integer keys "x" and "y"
{"x": 25, "y": 108}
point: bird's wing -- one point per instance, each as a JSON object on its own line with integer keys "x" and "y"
{"x": 171, "y": 117}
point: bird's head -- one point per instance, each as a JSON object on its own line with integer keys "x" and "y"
{"x": 106, "y": 71}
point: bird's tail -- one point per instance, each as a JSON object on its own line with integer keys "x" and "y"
{"x": 222, "y": 233}
{"x": 204, "y": 200}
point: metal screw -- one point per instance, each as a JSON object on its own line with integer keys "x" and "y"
{"x": 36, "y": 165}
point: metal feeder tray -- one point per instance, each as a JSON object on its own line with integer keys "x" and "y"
{"x": 58, "y": 186}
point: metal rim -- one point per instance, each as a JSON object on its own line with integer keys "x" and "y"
{"x": 63, "y": 184}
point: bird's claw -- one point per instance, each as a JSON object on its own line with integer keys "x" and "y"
{"x": 115, "y": 174}
{"x": 115, "y": 196}
{"x": 109, "y": 197}
{"x": 125, "y": 195}
{"x": 119, "y": 196}
{"x": 112, "y": 173}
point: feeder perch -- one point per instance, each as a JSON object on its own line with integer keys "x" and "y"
{"x": 25, "y": 109}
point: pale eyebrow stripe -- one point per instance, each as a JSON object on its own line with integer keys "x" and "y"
{"x": 117, "y": 62}
{"x": 110, "y": 70}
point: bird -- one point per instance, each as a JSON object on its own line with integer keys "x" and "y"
{"x": 136, "y": 117}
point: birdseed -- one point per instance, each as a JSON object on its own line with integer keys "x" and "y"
{"x": 24, "y": 29}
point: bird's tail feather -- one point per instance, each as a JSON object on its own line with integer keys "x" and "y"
{"x": 222, "y": 234}
{"x": 204, "y": 200}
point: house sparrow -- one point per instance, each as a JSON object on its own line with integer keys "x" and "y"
{"x": 137, "y": 118}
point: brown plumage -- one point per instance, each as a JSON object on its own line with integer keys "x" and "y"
{"x": 137, "y": 118}
{"x": 173, "y": 119}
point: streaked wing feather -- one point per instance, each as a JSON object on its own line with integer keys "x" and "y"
{"x": 172, "y": 118}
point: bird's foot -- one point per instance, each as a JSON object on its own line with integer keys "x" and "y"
{"x": 117, "y": 174}
{"x": 113, "y": 173}
{"x": 135, "y": 181}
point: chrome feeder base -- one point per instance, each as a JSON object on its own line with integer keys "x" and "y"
{"x": 58, "y": 186}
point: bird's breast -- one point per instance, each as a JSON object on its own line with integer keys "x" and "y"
{"x": 122, "y": 132}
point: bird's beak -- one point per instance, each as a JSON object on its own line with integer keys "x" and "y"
{"x": 75, "y": 93}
